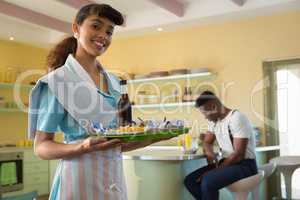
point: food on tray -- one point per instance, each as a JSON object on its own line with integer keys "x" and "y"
{"x": 138, "y": 127}
{"x": 130, "y": 129}
{"x": 141, "y": 131}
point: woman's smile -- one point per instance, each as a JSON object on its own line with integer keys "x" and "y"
{"x": 100, "y": 45}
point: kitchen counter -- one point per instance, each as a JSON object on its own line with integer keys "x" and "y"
{"x": 267, "y": 148}
{"x": 162, "y": 153}
{"x": 150, "y": 152}
{"x": 155, "y": 172}
{"x": 174, "y": 153}
{"x": 14, "y": 149}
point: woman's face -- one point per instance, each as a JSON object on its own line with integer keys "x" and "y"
{"x": 94, "y": 35}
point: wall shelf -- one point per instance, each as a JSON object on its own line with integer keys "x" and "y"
{"x": 203, "y": 75}
{"x": 12, "y": 85}
{"x": 165, "y": 105}
{"x": 11, "y": 110}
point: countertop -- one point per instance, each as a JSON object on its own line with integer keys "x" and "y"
{"x": 267, "y": 148}
{"x": 173, "y": 153}
{"x": 159, "y": 153}
{"x": 15, "y": 149}
{"x": 163, "y": 153}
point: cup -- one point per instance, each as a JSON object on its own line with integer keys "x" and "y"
{"x": 21, "y": 143}
{"x": 187, "y": 141}
{"x": 27, "y": 143}
{"x": 179, "y": 141}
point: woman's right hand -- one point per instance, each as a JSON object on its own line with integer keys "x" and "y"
{"x": 97, "y": 144}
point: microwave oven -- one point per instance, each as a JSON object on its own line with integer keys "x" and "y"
{"x": 11, "y": 171}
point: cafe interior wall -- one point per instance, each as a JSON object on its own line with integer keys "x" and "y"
{"x": 234, "y": 50}
{"x": 13, "y": 125}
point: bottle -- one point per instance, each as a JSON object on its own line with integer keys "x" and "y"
{"x": 176, "y": 95}
{"x": 124, "y": 106}
{"x": 190, "y": 94}
{"x": 185, "y": 95}
{"x": 187, "y": 141}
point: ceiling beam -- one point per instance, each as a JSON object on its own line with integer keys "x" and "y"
{"x": 239, "y": 2}
{"x": 34, "y": 17}
{"x": 76, "y": 3}
{"x": 79, "y": 3}
{"x": 172, "y": 6}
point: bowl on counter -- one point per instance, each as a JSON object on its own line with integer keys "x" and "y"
{"x": 199, "y": 70}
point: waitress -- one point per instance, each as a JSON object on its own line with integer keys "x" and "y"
{"x": 76, "y": 92}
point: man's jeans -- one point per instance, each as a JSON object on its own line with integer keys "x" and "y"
{"x": 215, "y": 179}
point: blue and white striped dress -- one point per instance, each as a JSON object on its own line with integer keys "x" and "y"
{"x": 93, "y": 176}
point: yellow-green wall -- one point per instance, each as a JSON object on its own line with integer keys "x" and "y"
{"x": 14, "y": 124}
{"x": 21, "y": 55}
{"x": 235, "y": 50}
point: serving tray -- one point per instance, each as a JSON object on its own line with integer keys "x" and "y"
{"x": 147, "y": 135}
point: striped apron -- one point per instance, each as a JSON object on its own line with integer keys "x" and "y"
{"x": 92, "y": 176}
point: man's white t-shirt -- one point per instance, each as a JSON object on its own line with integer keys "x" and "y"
{"x": 239, "y": 126}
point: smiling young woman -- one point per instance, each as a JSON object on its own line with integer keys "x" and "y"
{"x": 76, "y": 93}
{"x": 89, "y": 168}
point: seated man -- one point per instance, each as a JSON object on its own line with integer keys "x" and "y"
{"x": 235, "y": 137}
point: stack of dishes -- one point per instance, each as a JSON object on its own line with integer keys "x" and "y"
{"x": 179, "y": 71}
{"x": 199, "y": 70}
{"x": 141, "y": 76}
{"x": 172, "y": 72}
{"x": 159, "y": 74}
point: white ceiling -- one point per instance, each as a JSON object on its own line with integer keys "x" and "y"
{"x": 142, "y": 16}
